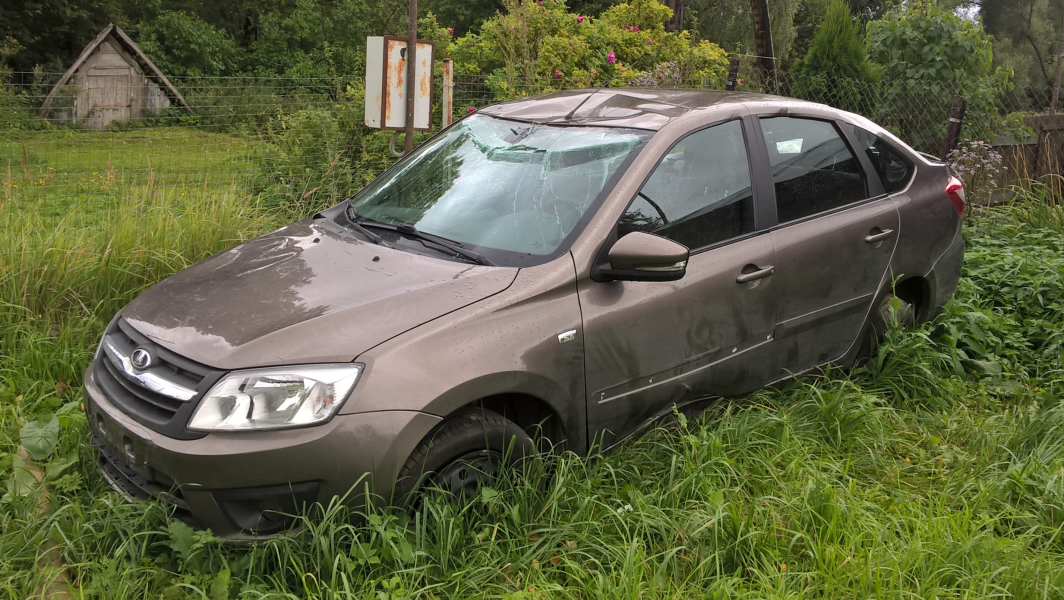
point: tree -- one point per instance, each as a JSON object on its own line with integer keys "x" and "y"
{"x": 728, "y": 23}
{"x": 183, "y": 44}
{"x": 1026, "y": 32}
{"x": 927, "y": 54}
{"x": 836, "y": 69}
{"x": 837, "y": 49}
{"x": 51, "y": 33}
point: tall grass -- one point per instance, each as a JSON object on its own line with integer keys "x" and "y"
{"x": 934, "y": 471}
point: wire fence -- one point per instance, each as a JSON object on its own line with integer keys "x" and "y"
{"x": 303, "y": 140}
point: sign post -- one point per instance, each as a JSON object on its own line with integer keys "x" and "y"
{"x": 411, "y": 76}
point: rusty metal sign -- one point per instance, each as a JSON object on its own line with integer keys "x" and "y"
{"x": 386, "y": 73}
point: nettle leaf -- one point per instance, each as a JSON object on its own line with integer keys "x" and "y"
{"x": 181, "y": 539}
{"x": 40, "y": 437}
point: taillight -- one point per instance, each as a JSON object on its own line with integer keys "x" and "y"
{"x": 955, "y": 191}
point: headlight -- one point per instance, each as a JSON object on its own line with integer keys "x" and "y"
{"x": 275, "y": 398}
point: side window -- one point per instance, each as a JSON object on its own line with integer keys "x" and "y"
{"x": 894, "y": 168}
{"x": 700, "y": 192}
{"x": 813, "y": 170}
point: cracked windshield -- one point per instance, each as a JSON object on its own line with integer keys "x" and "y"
{"x": 504, "y": 185}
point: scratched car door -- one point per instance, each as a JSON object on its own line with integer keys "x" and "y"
{"x": 649, "y": 345}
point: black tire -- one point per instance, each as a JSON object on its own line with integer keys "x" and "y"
{"x": 461, "y": 454}
{"x": 881, "y": 321}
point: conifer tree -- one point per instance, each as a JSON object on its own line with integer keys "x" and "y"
{"x": 837, "y": 49}
{"x": 836, "y": 67}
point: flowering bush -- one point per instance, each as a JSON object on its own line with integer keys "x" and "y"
{"x": 539, "y": 46}
{"x": 665, "y": 74}
{"x": 978, "y": 165}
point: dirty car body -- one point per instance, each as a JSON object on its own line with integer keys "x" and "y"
{"x": 574, "y": 265}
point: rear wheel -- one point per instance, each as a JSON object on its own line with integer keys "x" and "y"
{"x": 463, "y": 454}
{"x": 892, "y": 313}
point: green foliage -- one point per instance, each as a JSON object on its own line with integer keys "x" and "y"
{"x": 40, "y": 437}
{"x": 729, "y": 23}
{"x": 836, "y": 65}
{"x": 1026, "y": 35}
{"x": 923, "y": 50}
{"x": 549, "y": 47}
{"x": 183, "y": 44}
{"x": 837, "y": 48}
{"x": 463, "y": 16}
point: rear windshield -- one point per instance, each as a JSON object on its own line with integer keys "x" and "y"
{"x": 515, "y": 192}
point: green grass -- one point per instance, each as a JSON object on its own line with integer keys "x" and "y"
{"x": 936, "y": 471}
{"x": 57, "y": 171}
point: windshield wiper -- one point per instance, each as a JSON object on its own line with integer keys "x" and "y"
{"x": 451, "y": 245}
{"x": 356, "y": 222}
{"x": 363, "y": 222}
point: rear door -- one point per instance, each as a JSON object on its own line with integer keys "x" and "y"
{"x": 836, "y": 231}
{"x": 649, "y": 345}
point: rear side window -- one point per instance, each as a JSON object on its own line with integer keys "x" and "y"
{"x": 813, "y": 170}
{"x": 699, "y": 194}
{"x": 894, "y": 168}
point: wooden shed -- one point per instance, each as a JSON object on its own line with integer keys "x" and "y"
{"x": 112, "y": 80}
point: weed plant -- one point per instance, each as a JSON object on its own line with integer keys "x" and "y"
{"x": 934, "y": 471}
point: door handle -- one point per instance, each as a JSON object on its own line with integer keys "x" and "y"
{"x": 755, "y": 275}
{"x": 878, "y": 237}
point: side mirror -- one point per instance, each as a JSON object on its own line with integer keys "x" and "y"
{"x": 641, "y": 256}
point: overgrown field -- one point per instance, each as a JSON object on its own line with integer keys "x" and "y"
{"x": 936, "y": 471}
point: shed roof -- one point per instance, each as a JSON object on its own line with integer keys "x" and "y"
{"x": 131, "y": 47}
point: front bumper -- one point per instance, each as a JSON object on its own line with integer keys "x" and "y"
{"x": 236, "y": 484}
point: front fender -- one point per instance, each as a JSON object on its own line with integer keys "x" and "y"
{"x": 506, "y": 344}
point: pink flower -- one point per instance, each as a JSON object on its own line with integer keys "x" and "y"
{"x": 628, "y": 27}
{"x": 450, "y": 31}
{"x": 611, "y": 58}
{"x": 649, "y": 41}
{"x": 470, "y": 110}
{"x": 635, "y": 29}
{"x": 557, "y": 73}
{"x": 580, "y": 19}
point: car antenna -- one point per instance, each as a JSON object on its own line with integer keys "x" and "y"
{"x": 573, "y": 112}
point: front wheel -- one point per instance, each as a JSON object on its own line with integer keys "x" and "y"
{"x": 463, "y": 454}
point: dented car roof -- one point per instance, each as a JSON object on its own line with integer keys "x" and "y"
{"x": 642, "y": 108}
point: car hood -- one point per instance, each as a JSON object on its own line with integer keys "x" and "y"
{"x": 309, "y": 292}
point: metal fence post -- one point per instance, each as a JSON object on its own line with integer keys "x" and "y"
{"x": 733, "y": 74}
{"x": 447, "y": 106}
{"x": 953, "y": 126}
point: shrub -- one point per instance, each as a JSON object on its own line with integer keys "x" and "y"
{"x": 928, "y": 54}
{"x": 183, "y": 44}
{"x": 836, "y": 65}
{"x": 978, "y": 165}
{"x": 541, "y": 46}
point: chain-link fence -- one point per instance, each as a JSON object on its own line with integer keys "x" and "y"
{"x": 303, "y": 140}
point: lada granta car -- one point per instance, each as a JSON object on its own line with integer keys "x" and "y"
{"x": 573, "y": 266}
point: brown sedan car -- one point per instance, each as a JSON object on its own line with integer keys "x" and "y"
{"x": 575, "y": 264}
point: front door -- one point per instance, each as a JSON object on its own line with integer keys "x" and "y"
{"x": 834, "y": 240}
{"x": 649, "y": 345}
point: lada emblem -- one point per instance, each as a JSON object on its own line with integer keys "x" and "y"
{"x": 141, "y": 358}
